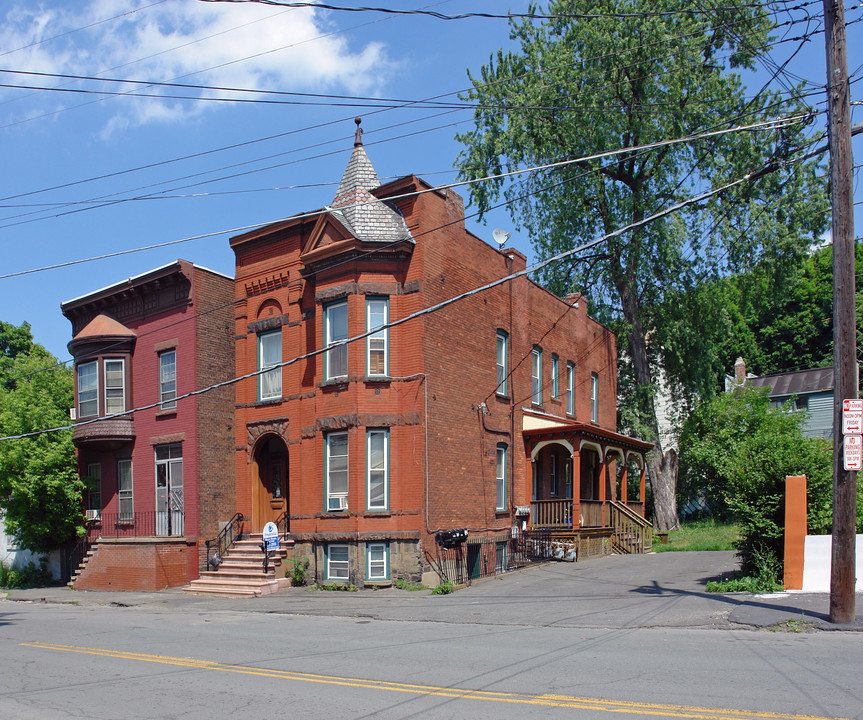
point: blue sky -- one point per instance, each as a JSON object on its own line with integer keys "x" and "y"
{"x": 74, "y": 183}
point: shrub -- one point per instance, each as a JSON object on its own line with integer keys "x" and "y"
{"x": 298, "y": 572}
{"x": 28, "y": 576}
{"x": 445, "y": 588}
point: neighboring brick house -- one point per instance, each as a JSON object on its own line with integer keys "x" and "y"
{"x": 489, "y": 414}
{"x": 159, "y": 480}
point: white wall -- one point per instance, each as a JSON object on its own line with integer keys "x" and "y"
{"x": 816, "y": 563}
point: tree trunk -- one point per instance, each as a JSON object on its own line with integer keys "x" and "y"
{"x": 663, "y": 483}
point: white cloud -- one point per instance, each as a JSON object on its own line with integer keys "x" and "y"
{"x": 246, "y": 45}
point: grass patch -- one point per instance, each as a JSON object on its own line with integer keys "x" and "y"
{"x": 403, "y": 584}
{"x": 793, "y": 626}
{"x": 445, "y": 588}
{"x": 745, "y": 583}
{"x": 335, "y": 587}
{"x": 698, "y": 535}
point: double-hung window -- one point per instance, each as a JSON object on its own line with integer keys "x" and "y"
{"x": 553, "y": 476}
{"x": 536, "y": 376}
{"x": 555, "y": 383}
{"x": 500, "y": 478}
{"x": 377, "y": 470}
{"x": 88, "y": 389}
{"x": 335, "y": 330}
{"x": 502, "y": 372}
{"x": 377, "y": 561}
{"x": 124, "y": 490}
{"x": 336, "y": 471}
{"x": 338, "y": 562}
{"x": 377, "y": 344}
{"x": 115, "y": 387}
{"x": 594, "y": 397}
{"x": 93, "y": 483}
{"x": 269, "y": 363}
{"x": 570, "y": 389}
{"x": 168, "y": 380}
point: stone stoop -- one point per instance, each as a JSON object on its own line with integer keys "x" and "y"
{"x": 241, "y": 571}
{"x": 80, "y": 569}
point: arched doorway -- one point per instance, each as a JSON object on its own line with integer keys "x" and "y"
{"x": 270, "y": 472}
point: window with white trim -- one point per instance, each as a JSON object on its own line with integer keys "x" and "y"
{"x": 594, "y": 397}
{"x": 93, "y": 483}
{"x": 570, "y": 389}
{"x": 500, "y": 478}
{"x": 502, "y": 341}
{"x": 377, "y": 561}
{"x": 115, "y": 387}
{"x": 536, "y": 376}
{"x": 269, "y": 362}
{"x": 377, "y": 469}
{"x": 88, "y": 389}
{"x": 377, "y": 344}
{"x": 336, "y": 471}
{"x": 338, "y": 562}
{"x": 335, "y": 330}
{"x": 555, "y": 383}
{"x": 168, "y": 379}
{"x": 125, "y": 505}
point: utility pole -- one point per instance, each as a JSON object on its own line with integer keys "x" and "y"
{"x": 842, "y": 576}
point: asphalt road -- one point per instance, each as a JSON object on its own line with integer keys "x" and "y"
{"x": 639, "y": 639}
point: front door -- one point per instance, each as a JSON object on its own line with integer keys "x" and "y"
{"x": 270, "y": 490}
{"x": 169, "y": 490}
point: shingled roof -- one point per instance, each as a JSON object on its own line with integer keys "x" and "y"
{"x": 363, "y": 215}
{"x": 801, "y": 382}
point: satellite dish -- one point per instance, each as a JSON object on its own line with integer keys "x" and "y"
{"x": 500, "y": 236}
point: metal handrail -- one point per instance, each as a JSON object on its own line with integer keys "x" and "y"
{"x": 282, "y": 524}
{"x": 232, "y": 532}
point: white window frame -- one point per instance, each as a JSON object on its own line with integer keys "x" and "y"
{"x": 500, "y": 477}
{"x": 94, "y": 390}
{"x": 114, "y": 396}
{"x": 501, "y": 365}
{"x": 168, "y": 379}
{"x": 377, "y": 342}
{"x": 570, "y": 389}
{"x": 594, "y": 397}
{"x": 336, "y": 501}
{"x": 377, "y": 561}
{"x": 555, "y": 381}
{"x": 270, "y": 370}
{"x": 536, "y": 375}
{"x": 338, "y": 569}
{"x": 339, "y": 354}
{"x": 379, "y": 473}
{"x": 125, "y": 495}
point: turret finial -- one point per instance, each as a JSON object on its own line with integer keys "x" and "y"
{"x": 358, "y": 138}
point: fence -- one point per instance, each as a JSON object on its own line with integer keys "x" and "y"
{"x": 141, "y": 524}
{"x": 485, "y": 556}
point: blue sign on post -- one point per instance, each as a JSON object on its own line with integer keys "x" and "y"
{"x": 271, "y": 536}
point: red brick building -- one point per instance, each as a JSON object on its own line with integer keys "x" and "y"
{"x": 159, "y": 479}
{"x": 363, "y": 436}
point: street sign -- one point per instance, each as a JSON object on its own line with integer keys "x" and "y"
{"x": 271, "y": 536}
{"x": 852, "y": 452}
{"x": 852, "y": 417}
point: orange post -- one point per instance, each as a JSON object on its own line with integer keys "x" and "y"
{"x": 795, "y": 530}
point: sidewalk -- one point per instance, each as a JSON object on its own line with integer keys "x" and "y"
{"x": 634, "y": 591}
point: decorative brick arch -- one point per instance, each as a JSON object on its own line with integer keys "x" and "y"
{"x": 261, "y": 428}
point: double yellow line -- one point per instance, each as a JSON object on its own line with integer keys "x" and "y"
{"x": 562, "y": 701}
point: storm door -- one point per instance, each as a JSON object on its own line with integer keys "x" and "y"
{"x": 169, "y": 490}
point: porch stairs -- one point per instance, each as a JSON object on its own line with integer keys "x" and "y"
{"x": 633, "y": 535}
{"x": 91, "y": 551}
{"x": 241, "y": 572}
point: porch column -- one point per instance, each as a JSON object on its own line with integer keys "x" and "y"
{"x": 641, "y": 487}
{"x": 528, "y": 469}
{"x": 603, "y": 481}
{"x": 576, "y": 488}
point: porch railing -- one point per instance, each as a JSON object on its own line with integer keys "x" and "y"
{"x": 551, "y": 513}
{"x": 632, "y": 533}
{"x": 141, "y": 524}
{"x": 636, "y": 506}
{"x": 591, "y": 513}
{"x": 217, "y": 547}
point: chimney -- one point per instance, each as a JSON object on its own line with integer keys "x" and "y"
{"x": 574, "y": 298}
{"x": 739, "y": 371}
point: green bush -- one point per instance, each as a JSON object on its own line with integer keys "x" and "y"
{"x": 298, "y": 572}
{"x": 27, "y": 577}
{"x": 738, "y": 450}
{"x": 445, "y": 588}
{"x": 404, "y": 584}
{"x": 335, "y": 587}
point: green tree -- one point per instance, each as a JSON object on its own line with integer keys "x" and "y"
{"x": 40, "y": 492}
{"x": 736, "y": 451}
{"x": 637, "y": 72}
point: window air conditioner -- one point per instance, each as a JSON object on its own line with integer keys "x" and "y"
{"x": 92, "y": 514}
{"x": 73, "y": 414}
{"x": 338, "y": 503}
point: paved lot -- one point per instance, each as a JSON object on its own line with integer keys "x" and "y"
{"x": 657, "y": 590}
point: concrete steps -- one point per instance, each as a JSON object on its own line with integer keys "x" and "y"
{"x": 241, "y": 572}
{"x": 80, "y": 569}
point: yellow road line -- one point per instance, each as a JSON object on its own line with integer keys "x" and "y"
{"x": 564, "y": 701}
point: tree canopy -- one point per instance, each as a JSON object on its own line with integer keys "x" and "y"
{"x": 40, "y": 492}
{"x": 645, "y": 78}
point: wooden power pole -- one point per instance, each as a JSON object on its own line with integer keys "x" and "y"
{"x": 842, "y": 577}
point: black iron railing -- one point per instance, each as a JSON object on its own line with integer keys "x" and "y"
{"x": 152, "y": 523}
{"x": 487, "y": 555}
{"x": 217, "y": 548}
